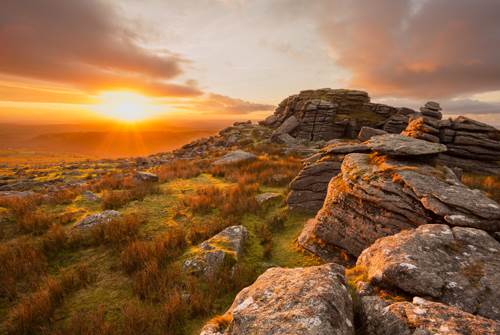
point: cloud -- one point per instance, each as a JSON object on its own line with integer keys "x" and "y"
{"x": 217, "y": 103}
{"x": 86, "y": 44}
{"x": 415, "y": 48}
{"x": 471, "y": 106}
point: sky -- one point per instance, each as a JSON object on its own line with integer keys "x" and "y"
{"x": 237, "y": 59}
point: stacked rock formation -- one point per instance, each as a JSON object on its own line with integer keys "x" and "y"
{"x": 397, "y": 187}
{"x": 472, "y": 145}
{"x": 326, "y": 114}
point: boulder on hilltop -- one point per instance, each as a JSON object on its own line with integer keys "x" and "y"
{"x": 457, "y": 266}
{"x": 312, "y": 300}
{"x": 210, "y": 256}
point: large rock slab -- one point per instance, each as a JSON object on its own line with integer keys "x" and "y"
{"x": 399, "y": 145}
{"x": 234, "y": 157}
{"x": 376, "y": 196}
{"x": 420, "y": 317}
{"x": 458, "y": 266}
{"x": 312, "y": 300}
{"x": 210, "y": 256}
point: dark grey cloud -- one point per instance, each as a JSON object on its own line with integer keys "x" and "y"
{"x": 415, "y": 48}
{"x": 86, "y": 43}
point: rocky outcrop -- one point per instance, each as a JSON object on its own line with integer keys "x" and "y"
{"x": 312, "y": 300}
{"x": 457, "y": 266}
{"x": 420, "y": 317}
{"x": 376, "y": 196}
{"x": 240, "y": 135}
{"x": 308, "y": 188}
{"x": 210, "y": 256}
{"x": 98, "y": 218}
{"x": 326, "y": 114}
{"x": 472, "y": 145}
{"x": 235, "y": 157}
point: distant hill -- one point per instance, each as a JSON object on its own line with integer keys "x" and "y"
{"x": 103, "y": 140}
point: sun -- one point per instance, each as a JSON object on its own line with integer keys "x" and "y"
{"x": 125, "y": 106}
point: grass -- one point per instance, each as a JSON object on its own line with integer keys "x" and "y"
{"x": 138, "y": 285}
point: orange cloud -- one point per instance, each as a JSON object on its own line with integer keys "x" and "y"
{"x": 84, "y": 44}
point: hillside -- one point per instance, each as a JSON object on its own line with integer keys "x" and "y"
{"x": 334, "y": 215}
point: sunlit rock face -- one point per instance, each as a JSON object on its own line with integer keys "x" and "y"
{"x": 419, "y": 317}
{"x": 455, "y": 265}
{"x": 375, "y": 195}
{"x": 472, "y": 146}
{"x": 312, "y": 300}
{"x": 326, "y": 114}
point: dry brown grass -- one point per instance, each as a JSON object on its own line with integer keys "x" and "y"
{"x": 180, "y": 169}
{"x": 63, "y": 197}
{"x": 230, "y": 201}
{"x": 21, "y": 264}
{"x": 36, "y": 221}
{"x": 489, "y": 184}
{"x": 267, "y": 170}
{"x": 88, "y": 323}
{"x": 137, "y": 191}
{"x": 118, "y": 231}
{"x": 162, "y": 248}
{"x": 55, "y": 239}
{"x": 36, "y": 309}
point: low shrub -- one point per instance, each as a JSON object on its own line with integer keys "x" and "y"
{"x": 180, "y": 169}
{"x": 36, "y": 309}
{"x": 162, "y": 248}
{"x": 114, "y": 199}
{"x": 118, "y": 231}
{"x": 22, "y": 264}
{"x": 36, "y": 221}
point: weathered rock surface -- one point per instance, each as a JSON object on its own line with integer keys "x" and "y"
{"x": 90, "y": 196}
{"x": 146, "y": 177}
{"x": 97, "y": 218}
{"x": 399, "y": 145}
{"x": 308, "y": 189}
{"x": 312, "y": 300}
{"x": 264, "y": 198}
{"x": 419, "y": 318}
{"x": 466, "y": 140}
{"x": 458, "y": 266}
{"x": 365, "y": 133}
{"x": 222, "y": 249}
{"x": 376, "y": 196}
{"x": 234, "y": 157}
{"x": 326, "y": 114}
